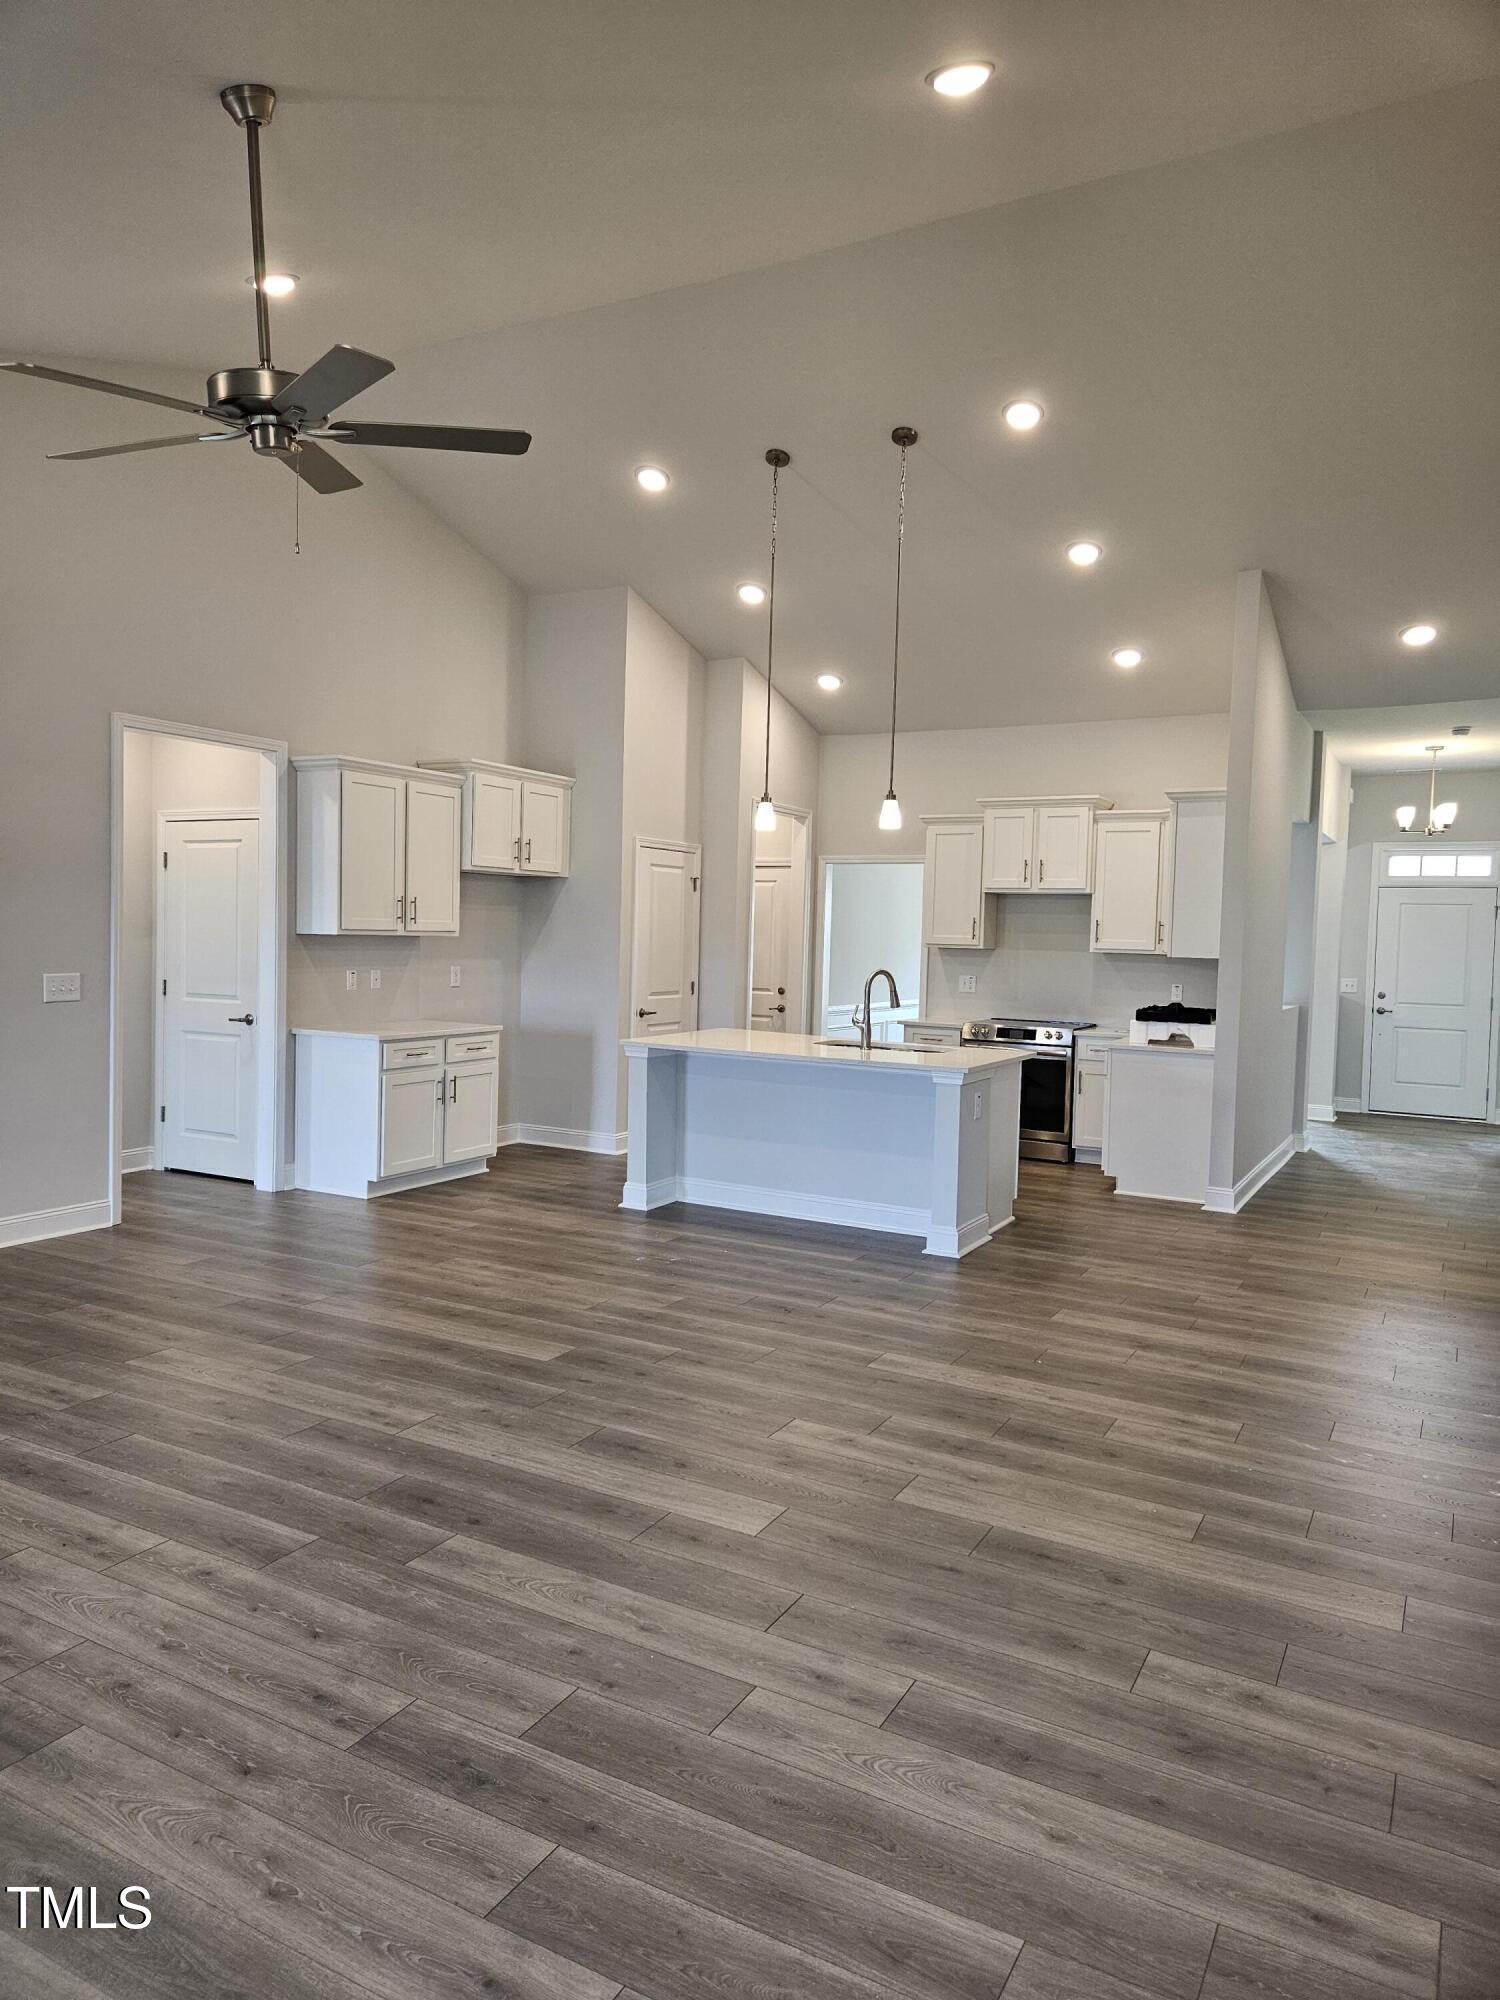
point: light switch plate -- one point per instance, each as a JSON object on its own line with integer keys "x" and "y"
{"x": 62, "y": 986}
{"x": 1348, "y": 986}
{"x": 455, "y": 975}
{"x": 375, "y": 980}
{"x": 351, "y": 982}
{"x": 968, "y": 982}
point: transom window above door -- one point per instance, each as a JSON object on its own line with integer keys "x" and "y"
{"x": 1440, "y": 864}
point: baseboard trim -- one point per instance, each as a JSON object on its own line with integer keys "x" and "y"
{"x": 566, "y": 1138}
{"x": 1347, "y": 1104}
{"x": 786, "y": 1204}
{"x": 138, "y": 1160}
{"x": 1323, "y": 1114}
{"x": 1229, "y": 1201}
{"x": 42, "y": 1223}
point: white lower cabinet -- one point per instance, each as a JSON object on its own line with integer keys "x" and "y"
{"x": 1127, "y": 906}
{"x": 378, "y": 1110}
{"x": 1090, "y": 1081}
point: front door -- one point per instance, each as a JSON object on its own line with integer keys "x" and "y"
{"x": 770, "y": 930}
{"x": 1434, "y": 972}
{"x": 664, "y": 951}
{"x": 210, "y": 969}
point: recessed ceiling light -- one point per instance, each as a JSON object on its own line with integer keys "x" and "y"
{"x": 961, "y": 79}
{"x": 830, "y": 683}
{"x": 1419, "y": 635}
{"x": 1023, "y": 414}
{"x": 1083, "y": 555}
{"x": 276, "y": 284}
{"x": 651, "y": 479}
{"x": 1127, "y": 656}
{"x": 751, "y": 593}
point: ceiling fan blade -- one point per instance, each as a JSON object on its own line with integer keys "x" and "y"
{"x": 320, "y": 470}
{"x": 147, "y": 444}
{"x": 432, "y": 437}
{"x": 341, "y": 373}
{"x": 109, "y": 388}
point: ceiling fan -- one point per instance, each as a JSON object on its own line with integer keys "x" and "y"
{"x": 284, "y": 415}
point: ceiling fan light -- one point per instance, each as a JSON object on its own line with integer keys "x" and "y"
{"x": 1406, "y": 818}
{"x": 765, "y": 816}
{"x": 890, "y": 814}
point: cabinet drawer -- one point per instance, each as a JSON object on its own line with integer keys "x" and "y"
{"x": 407, "y": 1055}
{"x": 471, "y": 1048}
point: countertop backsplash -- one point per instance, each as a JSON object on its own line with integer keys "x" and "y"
{"x": 1042, "y": 965}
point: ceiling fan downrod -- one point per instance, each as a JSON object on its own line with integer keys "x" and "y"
{"x": 251, "y": 105}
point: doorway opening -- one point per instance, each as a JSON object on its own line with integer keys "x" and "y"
{"x": 872, "y": 916}
{"x": 781, "y": 924}
{"x": 197, "y": 953}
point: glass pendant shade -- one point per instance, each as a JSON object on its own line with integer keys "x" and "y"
{"x": 1406, "y": 818}
{"x": 890, "y": 814}
{"x": 765, "y": 816}
{"x": 1444, "y": 815}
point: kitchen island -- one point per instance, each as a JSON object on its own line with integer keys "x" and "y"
{"x": 915, "y": 1142}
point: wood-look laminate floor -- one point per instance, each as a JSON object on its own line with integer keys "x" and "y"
{"x": 486, "y": 1592}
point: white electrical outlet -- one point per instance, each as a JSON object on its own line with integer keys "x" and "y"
{"x": 375, "y": 980}
{"x": 351, "y": 982}
{"x": 61, "y": 986}
{"x": 968, "y": 982}
{"x": 455, "y": 975}
{"x": 1348, "y": 986}
{"x": 1177, "y": 992}
{"x": 978, "y": 1112}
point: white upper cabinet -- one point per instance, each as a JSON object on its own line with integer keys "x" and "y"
{"x": 432, "y": 819}
{"x": 1039, "y": 846}
{"x": 1128, "y": 851}
{"x": 515, "y": 822}
{"x": 1196, "y": 874}
{"x": 955, "y": 910}
{"x": 377, "y": 848}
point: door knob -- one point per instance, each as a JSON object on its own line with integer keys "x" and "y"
{"x": 645, "y": 1013}
{"x": 1385, "y": 1010}
{"x": 778, "y": 1009}
{"x": 248, "y": 1019}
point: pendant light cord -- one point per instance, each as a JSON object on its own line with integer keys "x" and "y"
{"x": 771, "y": 617}
{"x": 896, "y": 641}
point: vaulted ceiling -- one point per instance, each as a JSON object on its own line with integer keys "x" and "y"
{"x": 1244, "y": 251}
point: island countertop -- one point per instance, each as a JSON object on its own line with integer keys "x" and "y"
{"x": 760, "y": 1045}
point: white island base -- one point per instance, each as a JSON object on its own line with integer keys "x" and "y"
{"x": 912, "y": 1142}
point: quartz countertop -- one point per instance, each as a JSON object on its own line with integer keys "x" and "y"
{"x": 1160, "y": 1049}
{"x": 399, "y": 1031}
{"x": 763, "y": 1046}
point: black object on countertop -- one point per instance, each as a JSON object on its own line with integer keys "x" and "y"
{"x": 1173, "y": 1010}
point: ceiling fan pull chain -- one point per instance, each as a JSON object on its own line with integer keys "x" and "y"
{"x": 297, "y": 499}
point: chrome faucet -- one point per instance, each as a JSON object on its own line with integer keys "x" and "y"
{"x": 862, "y": 1020}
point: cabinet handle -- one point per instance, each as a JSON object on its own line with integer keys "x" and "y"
{"x": 1041, "y": 873}
{"x": 401, "y": 911}
{"x": 518, "y": 850}
{"x": 1160, "y": 928}
{"x": 1026, "y": 873}
{"x": 412, "y": 919}
{"x": 528, "y": 851}
{"x": 974, "y": 927}
{"x": 453, "y": 1090}
{"x": 1096, "y": 930}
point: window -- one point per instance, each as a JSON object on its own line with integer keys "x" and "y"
{"x": 1440, "y": 864}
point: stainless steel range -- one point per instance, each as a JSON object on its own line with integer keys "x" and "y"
{"x": 1046, "y": 1080}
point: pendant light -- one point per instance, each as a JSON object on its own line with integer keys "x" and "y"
{"x": 890, "y": 805}
{"x": 765, "y": 812}
{"x": 1440, "y": 815}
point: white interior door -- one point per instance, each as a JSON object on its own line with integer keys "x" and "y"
{"x": 432, "y": 828}
{"x": 1434, "y": 973}
{"x": 210, "y": 939}
{"x": 664, "y": 947}
{"x": 770, "y": 946}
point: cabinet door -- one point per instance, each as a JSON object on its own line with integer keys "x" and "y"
{"x": 1197, "y": 878}
{"x": 372, "y": 847}
{"x": 952, "y": 890}
{"x": 1008, "y": 837}
{"x": 473, "y": 1091}
{"x": 492, "y": 810}
{"x": 411, "y": 1120}
{"x": 1127, "y": 884}
{"x": 432, "y": 826}
{"x": 1062, "y": 847}
{"x": 1088, "y": 1105}
{"x": 544, "y": 828}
